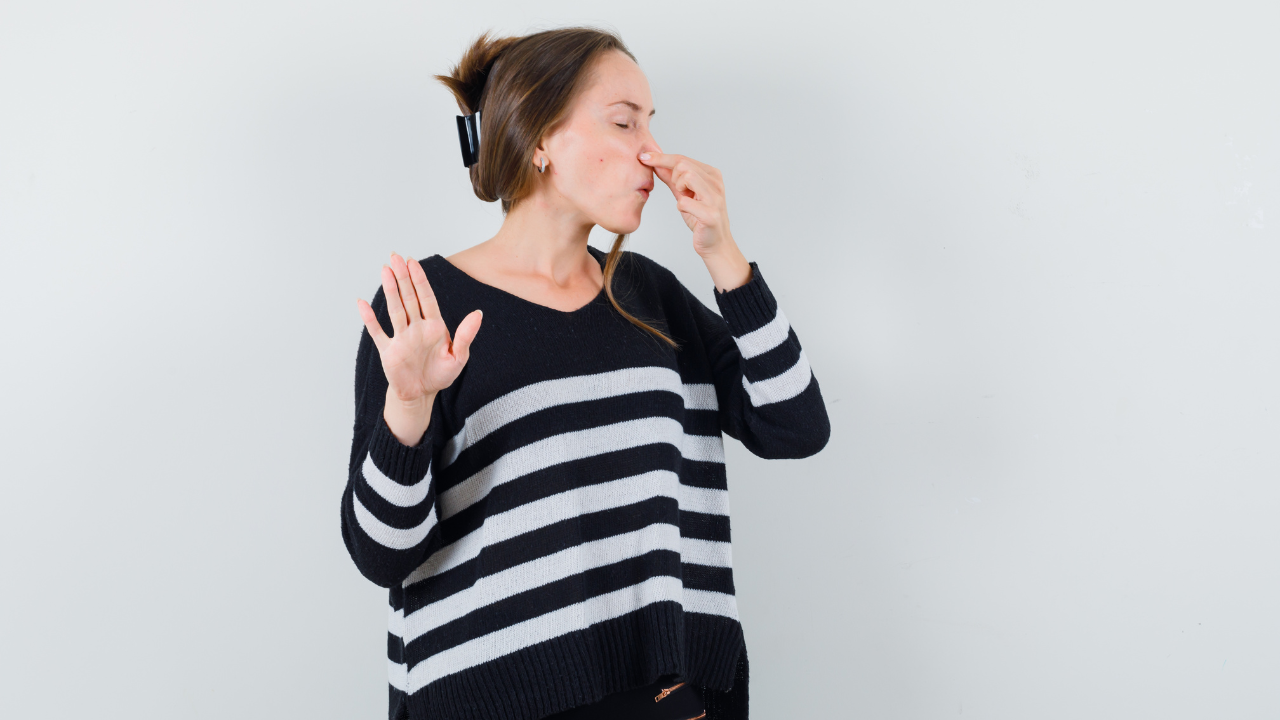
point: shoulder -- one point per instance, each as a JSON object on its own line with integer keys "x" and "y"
{"x": 650, "y": 270}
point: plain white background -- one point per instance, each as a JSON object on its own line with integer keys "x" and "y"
{"x": 1031, "y": 251}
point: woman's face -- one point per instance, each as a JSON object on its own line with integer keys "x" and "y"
{"x": 593, "y": 162}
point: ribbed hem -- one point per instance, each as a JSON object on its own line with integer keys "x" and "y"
{"x": 404, "y": 464}
{"x": 582, "y": 667}
{"x": 747, "y": 307}
{"x": 712, "y": 646}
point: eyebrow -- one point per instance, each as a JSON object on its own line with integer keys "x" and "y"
{"x": 633, "y": 106}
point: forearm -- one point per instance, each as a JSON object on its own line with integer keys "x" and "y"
{"x": 408, "y": 421}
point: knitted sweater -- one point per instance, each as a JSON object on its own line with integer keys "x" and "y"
{"x": 561, "y": 531}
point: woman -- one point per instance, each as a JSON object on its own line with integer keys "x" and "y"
{"x": 551, "y": 515}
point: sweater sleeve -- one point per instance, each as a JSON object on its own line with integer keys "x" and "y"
{"x": 389, "y": 504}
{"x": 768, "y": 395}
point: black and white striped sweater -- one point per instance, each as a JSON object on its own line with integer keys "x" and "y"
{"x": 561, "y": 532}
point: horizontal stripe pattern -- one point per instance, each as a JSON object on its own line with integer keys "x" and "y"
{"x": 568, "y": 533}
{"x": 387, "y": 535}
{"x": 565, "y": 447}
{"x": 764, "y": 338}
{"x": 576, "y": 616}
{"x": 780, "y": 387}
{"x": 581, "y": 388}
{"x": 489, "y": 585}
{"x": 769, "y": 340}
{"x": 546, "y": 569}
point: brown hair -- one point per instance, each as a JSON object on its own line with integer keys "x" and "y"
{"x": 523, "y": 87}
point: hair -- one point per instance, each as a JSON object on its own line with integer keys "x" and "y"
{"x": 523, "y": 88}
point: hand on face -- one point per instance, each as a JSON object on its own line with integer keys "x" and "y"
{"x": 699, "y": 192}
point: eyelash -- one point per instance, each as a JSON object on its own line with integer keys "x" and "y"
{"x": 621, "y": 125}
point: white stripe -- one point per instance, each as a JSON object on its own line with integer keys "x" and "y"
{"x": 578, "y": 616}
{"x": 706, "y": 552}
{"x": 559, "y": 449}
{"x": 783, "y": 386}
{"x": 704, "y": 500}
{"x": 764, "y": 338}
{"x": 578, "y": 388}
{"x": 536, "y": 573}
{"x": 392, "y": 537}
{"x": 398, "y": 675}
{"x": 395, "y": 621}
{"x": 541, "y": 513}
{"x": 710, "y": 602}
{"x": 392, "y": 491}
{"x": 700, "y": 396}
{"x": 708, "y": 448}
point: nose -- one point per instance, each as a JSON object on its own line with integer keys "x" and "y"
{"x": 648, "y": 144}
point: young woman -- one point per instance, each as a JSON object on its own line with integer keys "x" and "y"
{"x": 546, "y": 497}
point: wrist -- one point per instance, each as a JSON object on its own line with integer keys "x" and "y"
{"x": 729, "y": 268}
{"x": 422, "y": 403}
{"x": 408, "y": 419}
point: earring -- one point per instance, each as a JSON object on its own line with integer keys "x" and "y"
{"x": 543, "y": 168}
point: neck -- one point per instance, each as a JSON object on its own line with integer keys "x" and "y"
{"x": 538, "y": 237}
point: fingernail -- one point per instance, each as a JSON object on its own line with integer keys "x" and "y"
{"x": 644, "y": 156}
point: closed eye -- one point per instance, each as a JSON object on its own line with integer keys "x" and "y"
{"x": 621, "y": 125}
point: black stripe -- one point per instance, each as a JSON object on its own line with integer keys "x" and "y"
{"x": 773, "y": 362}
{"x": 706, "y": 577}
{"x": 702, "y": 422}
{"x": 704, "y": 474}
{"x": 704, "y": 526}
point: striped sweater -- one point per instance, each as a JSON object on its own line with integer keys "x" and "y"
{"x": 561, "y": 531}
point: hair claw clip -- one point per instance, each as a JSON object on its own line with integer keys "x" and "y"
{"x": 469, "y": 136}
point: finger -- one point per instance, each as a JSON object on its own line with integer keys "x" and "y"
{"x": 395, "y": 308}
{"x": 426, "y": 296}
{"x": 659, "y": 160}
{"x": 465, "y": 333}
{"x": 410, "y": 298}
{"x": 664, "y": 175}
{"x": 371, "y": 324}
{"x": 689, "y": 179}
{"x": 697, "y": 209}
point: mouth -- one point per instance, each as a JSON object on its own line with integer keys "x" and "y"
{"x": 646, "y": 190}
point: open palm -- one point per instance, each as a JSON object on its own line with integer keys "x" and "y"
{"x": 419, "y": 358}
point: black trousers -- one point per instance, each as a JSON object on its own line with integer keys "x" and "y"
{"x": 670, "y": 698}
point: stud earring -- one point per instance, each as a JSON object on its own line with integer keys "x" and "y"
{"x": 543, "y": 167}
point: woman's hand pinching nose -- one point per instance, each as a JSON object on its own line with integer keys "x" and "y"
{"x": 699, "y": 192}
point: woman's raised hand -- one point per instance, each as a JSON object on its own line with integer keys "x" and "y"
{"x": 419, "y": 358}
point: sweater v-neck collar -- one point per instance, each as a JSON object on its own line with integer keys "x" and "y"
{"x": 599, "y": 255}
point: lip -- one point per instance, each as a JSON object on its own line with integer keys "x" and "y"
{"x": 645, "y": 192}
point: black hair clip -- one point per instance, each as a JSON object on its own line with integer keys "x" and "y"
{"x": 469, "y": 136}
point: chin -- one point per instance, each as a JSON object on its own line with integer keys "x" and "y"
{"x": 622, "y": 226}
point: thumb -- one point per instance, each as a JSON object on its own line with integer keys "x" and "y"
{"x": 465, "y": 333}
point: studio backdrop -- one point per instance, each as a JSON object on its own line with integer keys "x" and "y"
{"x": 1032, "y": 250}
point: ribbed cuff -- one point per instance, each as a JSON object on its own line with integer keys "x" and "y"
{"x": 747, "y": 307}
{"x": 406, "y": 465}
